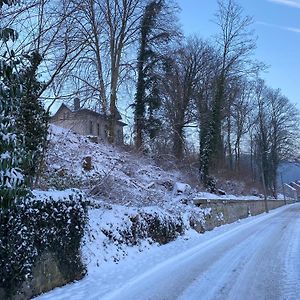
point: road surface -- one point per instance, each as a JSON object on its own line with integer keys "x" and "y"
{"x": 257, "y": 259}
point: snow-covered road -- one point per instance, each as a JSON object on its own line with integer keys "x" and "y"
{"x": 257, "y": 258}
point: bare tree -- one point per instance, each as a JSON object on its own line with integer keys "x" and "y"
{"x": 238, "y": 109}
{"x": 236, "y": 45}
{"x": 183, "y": 81}
{"x": 276, "y": 132}
{"x": 85, "y": 46}
{"x": 44, "y": 28}
{"x": 109, "y": 28}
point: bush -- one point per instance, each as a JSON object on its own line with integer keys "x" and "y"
{"x": 33, "y": 228}
{"x": 158, "y": 227}
{"x": 60, "y": 180}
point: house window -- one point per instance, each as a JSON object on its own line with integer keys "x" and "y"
{"x": 98, "y": 129}
{"x": 65, "y": 116}
{"x": 91, "y": 127}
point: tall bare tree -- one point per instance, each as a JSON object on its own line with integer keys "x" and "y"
{"x": 236, "y": 44}
{"x": 109, "y": 28}
{"x": 238, "y": 109}
{"x": 276, "y": 132}
{"x": 183, "y": 81}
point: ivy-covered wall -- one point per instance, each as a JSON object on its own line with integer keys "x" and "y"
{"x": 40, "y": 245}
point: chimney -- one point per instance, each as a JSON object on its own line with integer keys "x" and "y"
{"x": 76, "y": 104}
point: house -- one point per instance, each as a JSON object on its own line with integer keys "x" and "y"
{"x": 87, "y": 122}
{"x": 292, "y": 190}
{"x": 296, "y": 186}
{"x": 289, "y": 191}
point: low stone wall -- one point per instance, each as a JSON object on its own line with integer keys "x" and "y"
{"x": 228, "y": 211}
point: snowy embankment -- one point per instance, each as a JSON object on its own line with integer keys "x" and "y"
{"x": 244, "y": 259}
{"x": 116, "y": 175}
{"x": 133, "y": 201}
{"x": 134, "y": 206}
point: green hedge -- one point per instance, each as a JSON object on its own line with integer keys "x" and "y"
{"x": 34, "y": 227}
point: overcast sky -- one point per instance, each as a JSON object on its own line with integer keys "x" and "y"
{"x": 277, "y": 26}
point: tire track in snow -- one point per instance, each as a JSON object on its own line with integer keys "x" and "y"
{"x": 291, "y": 280}
{"x": 223, "y": 273}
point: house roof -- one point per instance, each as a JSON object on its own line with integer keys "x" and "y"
{"x": 89, "y": 111}
{"x": 60, "y": 108}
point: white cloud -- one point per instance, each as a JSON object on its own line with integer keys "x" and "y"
{"x": 291, "y": 3}
{"x": 292, "y": 29}
{"x": 297, "y": 30}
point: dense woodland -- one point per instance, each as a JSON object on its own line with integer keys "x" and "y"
{"x": 186, "y": 98}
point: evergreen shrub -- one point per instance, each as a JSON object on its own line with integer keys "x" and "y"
{"x": 34, "y": 227}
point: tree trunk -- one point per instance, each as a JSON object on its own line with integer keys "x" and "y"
{"x": 139, "y": 97}
{"x": 178, "y": 141}
{"x": 230, "y": 158}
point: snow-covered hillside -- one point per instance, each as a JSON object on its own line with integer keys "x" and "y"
{"x": 133, "y": 202}
{"x": 127, "y": 194}
{"x": 116, "y": 175}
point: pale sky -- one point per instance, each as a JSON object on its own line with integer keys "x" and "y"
{"x": 277, "y": 26}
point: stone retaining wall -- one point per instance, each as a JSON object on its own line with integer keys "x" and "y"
{"x": 228, "y": 211}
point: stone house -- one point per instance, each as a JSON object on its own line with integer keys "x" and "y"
{"x": 291, "y": 191}
{"x": 296, "y": 186}
{"x": 87, "y": 122}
